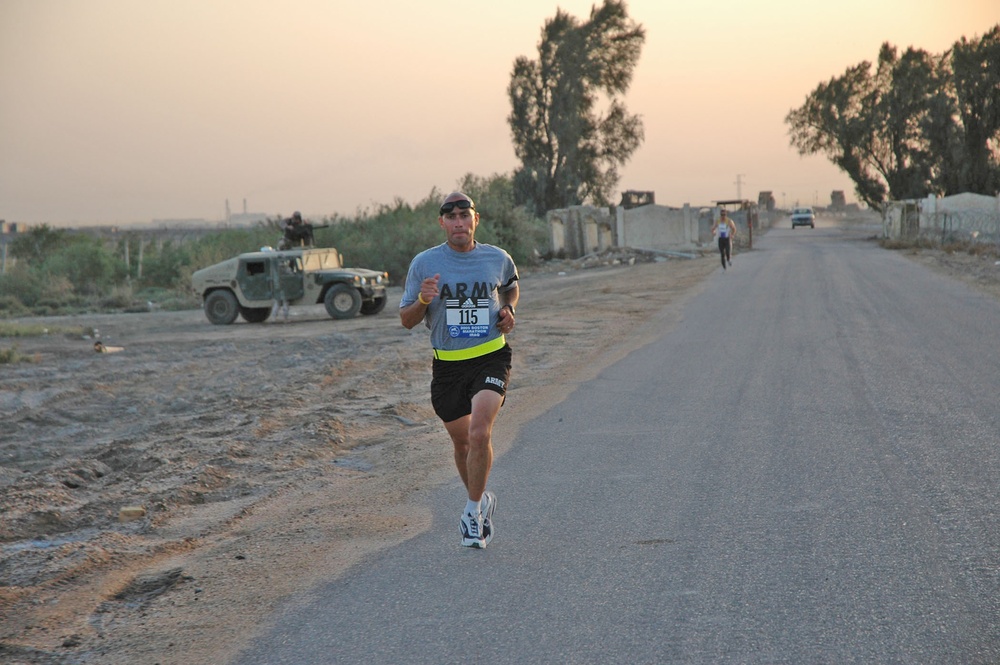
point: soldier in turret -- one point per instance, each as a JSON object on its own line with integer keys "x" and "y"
{"x": 296, "y": 232}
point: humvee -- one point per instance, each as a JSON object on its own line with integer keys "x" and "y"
{"x": 245, "y": 285}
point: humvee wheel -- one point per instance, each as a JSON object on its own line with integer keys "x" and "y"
{"x": 255, "y": 314}
{"x": 373, "y": 306}
{"x": 221, "y": 307}
{"x": 342, "y": 301}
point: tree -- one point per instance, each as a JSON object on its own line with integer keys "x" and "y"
{"x": 945, "y": 137}
{"x": 869, "y": 124}
{"x": 975, "y": 69}
{"x": 503, "y": 222}
{"x": 832, "y": 122}
{"x": 904, "y": 85}
{"x": 569, "y": 149}
{"x": 921, "y": 124}
{"x": 34, "y": 245}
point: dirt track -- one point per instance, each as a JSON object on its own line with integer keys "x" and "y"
{"x": 266, "y": 458}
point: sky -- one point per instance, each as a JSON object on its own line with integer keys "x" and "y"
{"x": 125, "y": 112}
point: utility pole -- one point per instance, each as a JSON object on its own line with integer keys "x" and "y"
{"x": 739, "y": 185}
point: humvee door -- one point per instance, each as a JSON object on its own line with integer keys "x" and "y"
{"x": 290, "y": 268}
{"x": 254, "y": 279}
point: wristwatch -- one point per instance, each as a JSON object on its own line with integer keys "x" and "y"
{"x": 511, "y": 308}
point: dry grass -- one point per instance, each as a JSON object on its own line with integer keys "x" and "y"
{"x": 970, "y": 247}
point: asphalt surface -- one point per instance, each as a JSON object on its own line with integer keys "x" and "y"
{"x": 804, "y": 470}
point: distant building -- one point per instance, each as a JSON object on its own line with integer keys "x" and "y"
{"x": 765, "y": 200}
{"x": 10, "y": 228}
{"x": 634, "y": 199}
{"x": 247, "y": 218}
{"x": 244, "y": 218}
{"x": 180, "y": 223}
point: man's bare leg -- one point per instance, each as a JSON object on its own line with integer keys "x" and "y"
{"x": 472, "y": 438}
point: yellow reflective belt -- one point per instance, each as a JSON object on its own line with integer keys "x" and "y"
{"x": 472, "y": 352}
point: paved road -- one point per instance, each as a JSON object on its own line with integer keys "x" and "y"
{"x": 805, "y": 470}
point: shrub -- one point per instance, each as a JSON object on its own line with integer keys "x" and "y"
{"x": 11, "y": 307}
{"x": 12, "y": 355}
{"x": 162, "y": 265}
{"x": 86, "y": 265}
{"x": 119, "y": 298}
{"x": 22, "y": 286}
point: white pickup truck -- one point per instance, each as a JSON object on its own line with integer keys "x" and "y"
{"x": 803, "y": 217}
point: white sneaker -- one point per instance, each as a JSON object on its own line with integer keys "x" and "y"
{"x": 472, "y": 531}
{"x": 489, "y": 503}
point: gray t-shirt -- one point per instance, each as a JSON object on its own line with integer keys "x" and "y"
{"x": 465, "y": 312}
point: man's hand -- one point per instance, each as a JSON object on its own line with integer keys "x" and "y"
{"x": 415, "y": 312}
{"x": 505, "y": 320}
{"x": 429, "y": 290}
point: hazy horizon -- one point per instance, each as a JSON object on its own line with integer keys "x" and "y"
{"x": 118, "y": 112}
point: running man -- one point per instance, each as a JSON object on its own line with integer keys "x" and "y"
{"x": 465, "y": 292}
{"x": 725, "y": 229}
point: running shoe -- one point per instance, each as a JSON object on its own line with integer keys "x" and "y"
{"x": 472, "y": 531}
{"x": 489, "y": 503}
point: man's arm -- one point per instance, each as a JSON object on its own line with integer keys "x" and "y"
{"x": 414, "y": 313}
{"x": 512, "y": 295}
{"x": 509, "y": 297}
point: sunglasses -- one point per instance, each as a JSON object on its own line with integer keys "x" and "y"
{"x": 461, "y": 204}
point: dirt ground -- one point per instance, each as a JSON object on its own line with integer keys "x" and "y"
{"x": 979, "y": 270}
{"x": 162, "y": 499}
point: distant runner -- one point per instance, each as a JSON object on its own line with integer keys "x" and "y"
{"x": 725, "y": 229}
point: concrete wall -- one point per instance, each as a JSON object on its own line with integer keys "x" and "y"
{"x": 582, "y": 230}
{"x": 960, "y": 216}
{"x": 657, "y": 227}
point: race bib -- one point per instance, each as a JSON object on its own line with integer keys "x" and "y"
{"x": 468, "y": 318}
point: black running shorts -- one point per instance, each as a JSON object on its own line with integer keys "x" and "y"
{"x": 455, "y": 382}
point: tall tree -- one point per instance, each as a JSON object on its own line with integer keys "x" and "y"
{"x": 944, "y": 135}
{"x": 920, "y": 124}
{"x": 569, "y": 148}
{"x": 869, "y": 124}
{"x": 833, "y": 121}
{"x": 975, "y": 68}
{"x": 903, "y": 88}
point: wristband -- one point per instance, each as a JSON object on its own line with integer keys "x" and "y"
{"x": 511, "y": 308}
{"x": 420, "y": 297}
